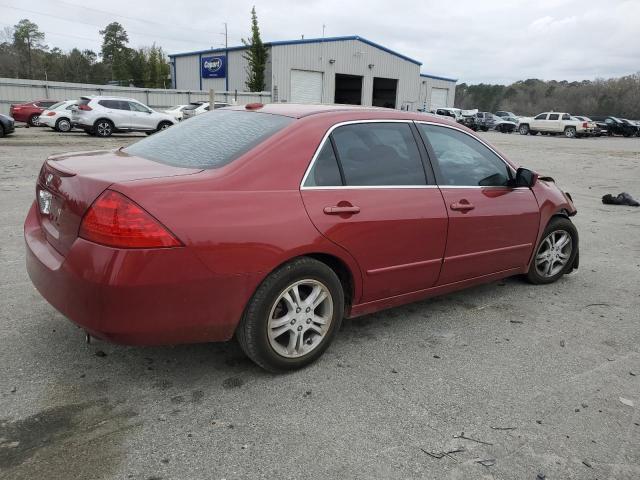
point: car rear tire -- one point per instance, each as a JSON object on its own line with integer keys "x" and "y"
{"x": 63, "y": 125}
{"x": 556, "y": 252}
{"x": 570, "y": 132}
{"x": 34, "y": 120}
{"x": 523, "y": 129}
{"x": 293, "y": 316}
{"x": 103, "y": 128}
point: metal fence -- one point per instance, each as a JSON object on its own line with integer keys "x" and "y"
{"x": 13, "y": 90}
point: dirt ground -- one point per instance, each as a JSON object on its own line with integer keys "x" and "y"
{"x": 522, "y": 381}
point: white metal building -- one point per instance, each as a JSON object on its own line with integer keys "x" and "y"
{"x": 349, "y": 69}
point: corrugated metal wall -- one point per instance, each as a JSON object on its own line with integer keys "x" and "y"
{"x": 351, "y": 57}
{"x": 426, "y": 86}
{"x": 20, "y": 91}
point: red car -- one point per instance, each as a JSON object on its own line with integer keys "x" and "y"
{"x": 30, "y": 112}
{"x": 274, "y": 222}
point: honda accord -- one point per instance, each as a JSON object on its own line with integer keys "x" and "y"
{"x": 272, "y": 223}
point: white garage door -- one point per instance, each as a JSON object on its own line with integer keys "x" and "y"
{"x": 306, "y": 86}
{"x": 439, "y": 98}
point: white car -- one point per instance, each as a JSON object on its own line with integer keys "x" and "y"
{"x": 103, "y": 116}
{"x": 58, "y": 116}
{"x": 176, "y": 111}
{"x": 196, "y": 108}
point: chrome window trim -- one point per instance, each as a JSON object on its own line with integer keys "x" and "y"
{"x": 416, "y": 122}
{"x": 369, "y": 187}
{"x": 359, "y": 187}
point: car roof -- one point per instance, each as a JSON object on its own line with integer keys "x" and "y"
{"x": 295, "y": 110}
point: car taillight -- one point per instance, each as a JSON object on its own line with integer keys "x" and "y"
{"x": 585, "y": 125}
{"x": 50, "y": 114}
{"x": 86, "y": 108}
{"x": 117, "y": 221}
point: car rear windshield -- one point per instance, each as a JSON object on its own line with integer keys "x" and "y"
{"x": 210, "y": 140}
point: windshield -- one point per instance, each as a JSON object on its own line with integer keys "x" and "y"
{"x": 210, "y": 140}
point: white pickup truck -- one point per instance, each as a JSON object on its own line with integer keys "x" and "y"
{"x": 553, "y": 123}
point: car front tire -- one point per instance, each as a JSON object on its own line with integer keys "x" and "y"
{"x": 524, "y": 129}
{"x": 293, "y": 316}
{"x": 555, "y": 253}
{"x": 164, "y": 126}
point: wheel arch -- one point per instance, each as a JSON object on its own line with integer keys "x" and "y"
{"x": 104, "y": 118}
{"x": 351, "y": 284}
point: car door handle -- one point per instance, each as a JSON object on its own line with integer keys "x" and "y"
{"x": 351, "y": 209}
{"x": 462, "y": 206}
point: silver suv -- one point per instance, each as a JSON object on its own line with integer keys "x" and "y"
{"x": 103, "y": 116}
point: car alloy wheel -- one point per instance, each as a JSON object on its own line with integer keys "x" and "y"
{"x": 300, "y": 318}
{"x": 104, "y": 129}
{"x": 524, "y": 129}
{"x": 34, "y": 120}
{"x": 553, "y": 253}
{"x": 64, "y": 125}
{"x": 570, "y": 132}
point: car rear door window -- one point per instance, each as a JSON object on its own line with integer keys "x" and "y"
{"x": 464, "y": 161}
{"x": 378, "y": 154}
{"x": 209, "y": 141}
{"x": 554, "y": 116}
{"x": 325, "y": 171}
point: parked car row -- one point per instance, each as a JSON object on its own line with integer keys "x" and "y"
{"x": 96, "y": 115}
{"x": 546, "y": 123}
{"x": 576, "y": 126}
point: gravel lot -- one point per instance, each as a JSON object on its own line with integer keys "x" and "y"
{"x": 545, "y": 379}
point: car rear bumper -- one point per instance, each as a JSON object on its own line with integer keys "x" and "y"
{"x": 141, "y": 297}
{"x": 21, "y": 116}
{"x": 48, "y": 121}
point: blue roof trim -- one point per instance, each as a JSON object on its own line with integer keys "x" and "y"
{"x": 438, "y": 78}
{"x": 303, "y": 41}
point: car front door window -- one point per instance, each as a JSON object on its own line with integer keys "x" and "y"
{"x": 463, "y": 161}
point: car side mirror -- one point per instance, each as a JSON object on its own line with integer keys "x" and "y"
{"x": 525, "y": 178}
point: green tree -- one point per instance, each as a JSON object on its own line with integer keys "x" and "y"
{"x": 27, "y": 37}
{"x": 256, "y": 56}
{"x": 115, "y": 51}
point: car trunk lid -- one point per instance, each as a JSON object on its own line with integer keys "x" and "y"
{"x": 68, "y": 185}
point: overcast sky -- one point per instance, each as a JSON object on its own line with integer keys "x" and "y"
{"x": 496, "y": 41}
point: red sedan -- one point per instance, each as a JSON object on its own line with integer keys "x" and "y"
{"x": 275, "y": 222}
{"x": 30, "y": 112}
